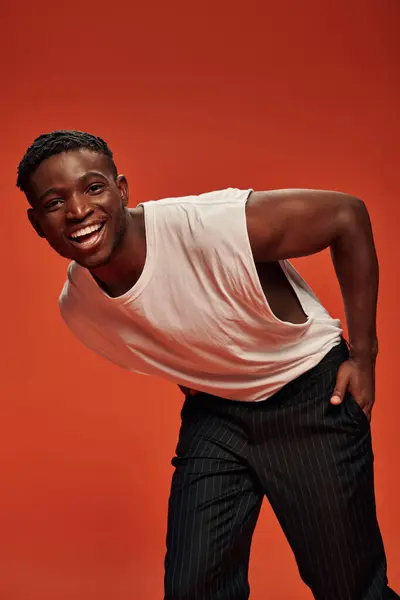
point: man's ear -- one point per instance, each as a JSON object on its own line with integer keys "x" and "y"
{"x": 34, "y": 223}
{"x": 122, "y": 185}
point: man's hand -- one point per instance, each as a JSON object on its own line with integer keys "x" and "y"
{"x": 357, "y": 377}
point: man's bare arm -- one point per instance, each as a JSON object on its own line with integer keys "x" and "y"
{"x": 284, "y": 224}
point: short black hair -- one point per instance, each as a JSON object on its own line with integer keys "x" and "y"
{"x": 56, "y": 142}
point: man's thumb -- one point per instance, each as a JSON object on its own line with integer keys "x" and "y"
{"x": 342, "y": 381}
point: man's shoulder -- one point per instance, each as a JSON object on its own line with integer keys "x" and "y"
{"x": 76, "y": 275}
{"x": 75, "y": 281}
{"x": 197, "y": 212}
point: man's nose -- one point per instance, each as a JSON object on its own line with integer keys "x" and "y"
{"x": 78, "y": 207}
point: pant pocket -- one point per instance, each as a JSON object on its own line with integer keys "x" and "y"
{"x": 355, "y": 411}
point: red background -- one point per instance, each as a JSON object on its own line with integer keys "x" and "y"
{"x": 192, "y": 97}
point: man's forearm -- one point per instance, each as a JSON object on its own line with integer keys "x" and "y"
{"x": 356, "y": 264}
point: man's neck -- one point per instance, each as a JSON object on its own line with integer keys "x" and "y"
{"x": 124, "y": 269}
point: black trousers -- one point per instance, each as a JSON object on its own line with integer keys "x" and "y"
{"x": 312, "y": 460}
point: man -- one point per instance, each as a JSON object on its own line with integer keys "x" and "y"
{"x": 199, "y": 290}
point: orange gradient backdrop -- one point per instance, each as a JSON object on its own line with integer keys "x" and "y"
{"x": 191, "y": 97}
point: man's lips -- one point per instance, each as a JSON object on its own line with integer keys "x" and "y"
{"x": 80, "y": 230}
{"x": 88, "y": 237}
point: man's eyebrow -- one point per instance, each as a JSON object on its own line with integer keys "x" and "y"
{"x": 56, "y": 190}
{"x": 50, "y": 191}
{"x": 91, "y": 174}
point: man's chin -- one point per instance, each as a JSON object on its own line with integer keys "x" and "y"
{"x": 92, "y": 262}
{"x": 85, "y": 259}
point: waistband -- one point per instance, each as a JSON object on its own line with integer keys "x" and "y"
{"x": 330, "y": 362}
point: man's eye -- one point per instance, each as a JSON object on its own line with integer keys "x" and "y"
{"x": 53, "y": 203}
{"x": 95, "y": 187}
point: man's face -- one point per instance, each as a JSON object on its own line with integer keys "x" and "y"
{"x": 79, "y": 206}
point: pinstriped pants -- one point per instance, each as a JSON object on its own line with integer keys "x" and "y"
{"x": 314, "y": 463}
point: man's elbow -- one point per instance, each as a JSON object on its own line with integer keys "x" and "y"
{"x": 353, "y": 220}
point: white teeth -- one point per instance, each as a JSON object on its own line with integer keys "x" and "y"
{"x": 86, "y": 231}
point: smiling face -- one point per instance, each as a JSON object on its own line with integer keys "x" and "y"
{"x": 78, "y": 205}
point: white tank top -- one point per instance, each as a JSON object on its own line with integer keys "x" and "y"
{"x": 197, "y": 315}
